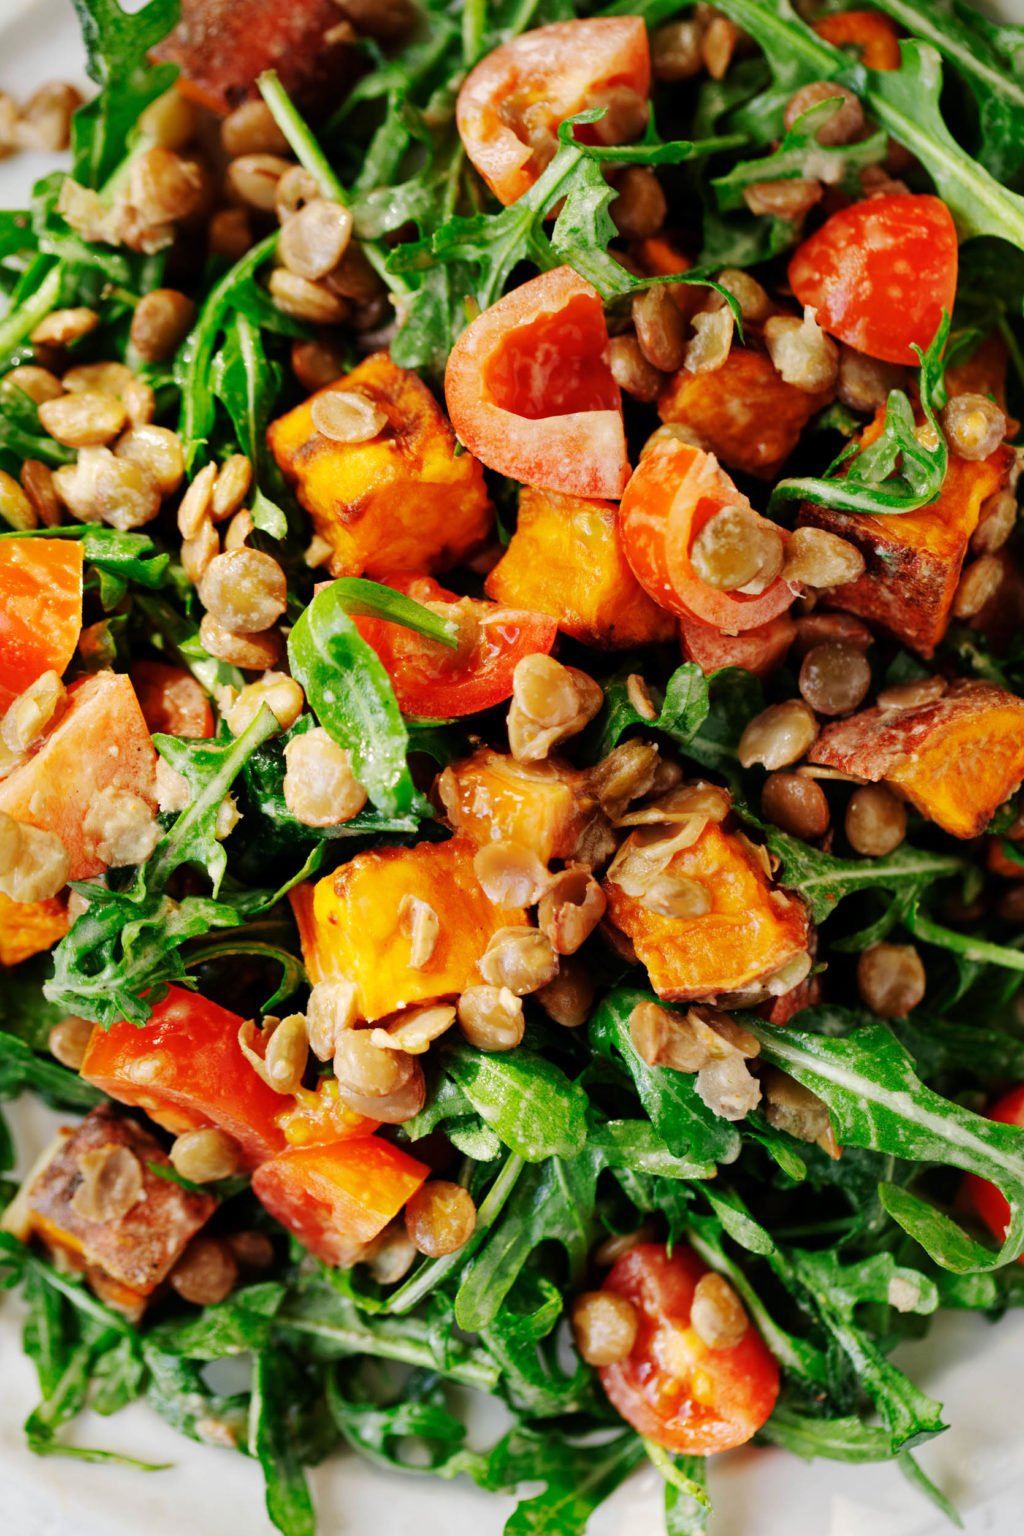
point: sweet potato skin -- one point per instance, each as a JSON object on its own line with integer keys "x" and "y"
{"x": 353, "y": 929}
{"x": 760, "y": 650}
{"x": 743, "y": 412}
{"x": 566, "y": 559}
{"x": 28, "y": 928}
{"x": 401, "y": 502}
{"x": 956, "y": 760}
{"x": 751, "y": 930}
{"x": 489, "y": 797}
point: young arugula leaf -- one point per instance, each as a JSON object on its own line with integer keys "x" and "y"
{"x": 236, "y": 1326}
{"x": 272, "y": 1442}
{"x": 131, "y": 557}
{"x": 117, "y": 45}
{"x": 248, "y": 383}
{"x": 800, "y": 155}
{"x": 823, "y": 879}
{"x": 21, "y": 1068}
{"x": 578, "y": 1476}
{"x": 687, "y": 1506}
{"x": 418, "y": 1434}
{"x": 683, "y": 710}
{"x": 527, "y": 1100}
{"x": 846, "y": 1439}
{"x": 177, "y": 1391}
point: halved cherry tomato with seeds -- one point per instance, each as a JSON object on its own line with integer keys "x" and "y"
{"x": 988, "y": 1199}
{"x": 435, "y": 682}
{"x": 880, "y": 273}
{"x": 673, "y": 1388}
{"x": 530, "y": 392}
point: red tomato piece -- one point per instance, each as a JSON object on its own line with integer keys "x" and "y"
{"x": 186, "y": 1069}
{"x": 40, "y": 610}
{"x": 672, "y": 493}
{"x": 434, "y": 682}
{"x": 988, "y": 1199}
{"x": 758, "y": 650}
{"x": 880, "y": 273}
{"x": 530, "y": 392}
{"x": 171, "y": 700}
{"x": 872, "y": 35}
{"x": 511, "y": 105}
{"x": 336, "y": 1198}
{"x": 673, "y": 1388}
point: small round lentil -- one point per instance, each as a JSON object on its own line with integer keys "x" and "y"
{"x": 245, "y": 590}
{"x": 162, "y": 186}
{"x": 509, "y": 874}
{"x": 676, "y": 896}
{"x": 159, "y": 451}
{"x": 717, "y": 1315}
{"x": 314, "y": 239}
{"x": 16, "y": 509}
{"x": 834, "y": 678}
{"x": 112, "y": 1182}
{"x": 864, "y": 383}
{"x": 876, "y": 821}
{"x": 252, "y": 1250}
{"x": 440, "y": 1218}
{"x": 63, "y": 326}
{"x": 320, "y": 788}
{"x": 160, "y": 322}
{"x": 491, "y": 1018}
{"x": 303, "y": 300}
{"x": 205, "y": 1155}
{"x": 783, "y": 199}
{"x": 571, "y": 909}
{"x": 978, "y": 584}
{"x": 846, "y": 122}
{"x": 84, "y": 420}
{"x": 676, "y": 51}
{"x": 632, "y": 371}
{"x": 69, "y": 1039}
{"x": 206, "y": 1273}
{"x": 820, "y": 559}
{"x": 253, "y": 179}
{"x": 795, "y": 804}
{"x": 891, "y": 979}
{"x": 734, "y": 548}
{"x": 198, "y": 551}
{"x": 660, "y": 328}
{"x": 239, "y": 530}
{"x": 316, "y": 364}
{"x": 253, "y": 653}
{"x": 802, "y": 353}
{"x": 604, "y": 1325}
{"x": 521, "y": 959}
{"x": 230, "y": 233}
{"x": 779, "y": 735}
{"x": 569, "y": 997}
{"x": 345, "y": 416}
{"x": 755, "y": 304}
{"x": 924, "y": 690}
{"x": 38, "y": 383}
{"x": 974, "y": 425}
{"x": 281, "y": 694}
{"x": 234, "y": 480}
{"x": 640, "y": 206}
{"x": 251, "y": 129}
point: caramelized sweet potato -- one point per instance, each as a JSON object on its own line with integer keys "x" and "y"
{"x": 489, "y": 797}
{"x": 404, "y": 501}
{"x": 743, "y": 412}
{"x": 913, "y": 561}
{"x": 956, "y": 759}
{"x": 352, "y": 927}
{"x": 758, "y": 650}
{"x": 29, "y": 927}
{"x": 751, "y": 930}
{"x": 566, "y": 559}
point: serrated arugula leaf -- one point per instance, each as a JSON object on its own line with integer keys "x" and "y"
{"x": 526, "y": 1100}
{"x": 21, "y": 1068}
{"x": 117, "y": 44}
{"x": 248, "y": 384}
{"x": 272, "y": 1442}
{"x": 800, "y": 155}
{"x": 681, "y": 711}
{"x": 824, "y": 879}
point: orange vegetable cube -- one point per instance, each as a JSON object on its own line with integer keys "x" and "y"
{"x": 566, "y": 559}
{"x": 29, "y": 927}
{"x": 352, "y": 928}
{"x": 956, "y": 759}
{"x": 40, "y": 610}
{"x": 743, "y": 412}
{"x": 751, "y": 930}
{"x": 490, "y": 797}
{"x": 404, "y": 500}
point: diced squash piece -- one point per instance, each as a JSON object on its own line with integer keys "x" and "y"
{"x": 125, "y": 1258}
{"x": 100, "y": 742}
{"x": 759, "y": 650}
{"x": 405, "y": 500}
{"x": 353, "y": 930}
{"x": 913, "y": 562}
{"x": 982, "y": 372}
{"x": 743, "y": 412}
{"x": 956, "y": 759}
{"x": 172, "y": 700}
{"x": 750, "y": 932}
{"x": 29, "y": 927}
{"x": 490, "y": 797}
{"x": 873, "y": 37}
{"x": 40, "y": 610}
{"x": 566, "y": 559}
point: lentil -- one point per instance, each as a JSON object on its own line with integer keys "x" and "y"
{"x": 676, "y": 51}
{"x": 979, "y": 583}
{"x": 755, "y": 305}
{"x": 253, "y": 179}
{"x": 251, "y": 129}
{"x": 169, "y": 121}
{"x": 865, "y": 383}
{"x": 69, "y": 1039}
{"x": 418, "y": 920}
{"x": 728, "y": 1088}
{"x": 604, "y": 1325}
{"x": 778, "y": 736}
{"x": 100, "y": 487}
{"x": 254, "y": 653}
{"x": 345, "y": 416}
{"x": 37, "y": 483}
{"x": 279, "y": 692}
{"x": 834, "y": 678}
{"x": 316, "y": 364}
{"x": 974, "y": 426}
{"x": 16, "y": 509}
{"x": 796, "y": 805}
{"x": 206, "y": 1273}
{"x": 569, "y": 996}
{"x": 509, "y": 874}
{"x": 203, "y": 1156}
{"x": 415, "y": 1029}
{"x": 640, "y": 205}
{"x": 716, "y": 1313}
{"x": 660, "y": 328}
{"x": 789, "y": 199}
{"x": 239, "y": 530}
{"x": 440, "y": 1218}
{"x": 245, "y": 590}
{"x": 63, "y": 326}
{"x": 33, "y": 712}
{"x": 491, "y": 1018}
{"x": 314, "y": 239}
{"x": 711, "y": 342}
{"x": 549, "y": 704}
{"x": 803, "y": 355}
{"x": 632, "y": 371}
{"x": 996, "y": 522}
{"x": 391, "y": 1255}
{"x": 923, "y": 690}
{"x": 876, "y": 821}
{"x": 570, "y": 909}
{"x": 521, "y": 959}
{"x": 160, "y": 322}
{"x": 34, "y": 863}
{"x": 38, "y": 383}
{"x": 84, "y": 420}
{"x": 304, "y": 300}
{"x": 198, "y": 552}
{"x": 159, "y": 452}
{"x": 230, "y": 233}
{"x": 45, "y": 120}
{"x": 332, "y": 1008}
{"x": 111, "y": 1183}
{"x": 821, "y": 560}
{"x": 891, "y": 979}
{"x": 320, "y": 788}
{"x": 736, "y": 549}
{"x": 846, "y": 122}
{"x": 232, "y": 486}
{"x": 197, "y": 502}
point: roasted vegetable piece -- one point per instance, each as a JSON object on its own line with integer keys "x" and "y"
{"x": 40, "y": 610}
{"x": 913, "y": 561}
{"x": 435, "y": 682}
{"x": 870, "y": 35}
{"x": 987, "y": 1199}
{"x": 492, "y": 798}
{"x": 530, "y": 392}
{"x": 319, "y": 1116}
{"x": 675, "y": 1388}
{"x": 186, "y": 1069}
{"x": 401, "y": 501}
{"x": 29, "y": 927}
{"x": 129, "y": 1234}
{"x": 955, "y": 759}
{"x": 336, "y": 1198}
{"x": 760, "y": 650}
{"x": 100, "y": 743}
{"x": 566, "y": 559}
{"x": 171, "y": 700}
{"x": 982, "y": 371}
{"x": 510, "y": 106}
{"x": 743, "y": 412}
{"x": 749, "y": 932}
{"x": 350, "y": 927}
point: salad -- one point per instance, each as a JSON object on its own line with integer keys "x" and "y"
{"x": 512, "y": 691}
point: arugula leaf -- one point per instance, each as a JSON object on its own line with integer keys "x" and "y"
{"x": 130, "y": 557}
{"x": 800, "y": 155}
{"x": 21, "y": 1068}
{"x": 846, "y": 1439}
{"x": 578, "y": 1476}
{"x": 272, "y": 1442}
{"x": 683, "y": 710}
{"x": 824, "y": 879}
{"x": 248, "y": 383}
{"x": 117, "y": 43}
{"x": 687, "y": 1506}
{"x": 527, "y": 1100}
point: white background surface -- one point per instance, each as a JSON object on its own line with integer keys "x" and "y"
{"x": 976, "y": 1369}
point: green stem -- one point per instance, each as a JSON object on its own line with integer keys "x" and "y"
{"x": 17, "y": 327}
{"x": 300, "y": 136}
{"x": 971, "y": 949}
{"x": 470, "y": 1371}
{"x": 474, "y": 22}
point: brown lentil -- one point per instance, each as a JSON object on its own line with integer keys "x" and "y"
{"x": 157, "y": 450}
{"x": 864, "y": 383}
{"x": 974, "y": 425}
{"x": 169, "y": 121}
{"x": 245, "y": 590}
{"x": 996, "y": 522}
{"x": 796, "y": 805}
{"x": 891, "y": 979}
{"x": 876, "y": 821}
{"x": 847, "y": 121}
{"x": 834, "y": 678}
{"x": 571, "y": 909}
{"x": 632, "y": 371}
{"x": 509, "y": 874}
{"x": 253, "y": 653}
{"x": 676, "y": 896}
{"x": 491, "y": 1018}
{"x": 162, "y": 187}
{"x": 717, "y": 1316}
{"x": 783, "y": 199}
{"x": 206, "y": 1273}
{"x": 205, "y": 1155}
{"x": 234, "y": 480}
{"x": 604, "y": 1325}
{"x": 281, "y": 694}
{"x": 569, "y": 997}
{"x": 924, "y": 690}
{"x": 820, "y": 559}
{"x": 197, "y": 502}
{"x": 16, "y": 509}
{"x": 331, "y": 1009}
{"x": 63, "y": 326}
{"x": 711, "y": 342}
{"x": 252, "y": 130}
{"x": 316, "y": 364}
{"x": 320, "y": 788}
{"x": 549, "y": 704}
{"x": 32, "y": 713}
{"x": 676, "y": 51}
{"x": 978, "y": 584}
{"x": 345, "y": 416}
{"x": 736, "y": 548}
{"x": 362, "y": 1067}
{"x": 101, "y": 487}
{"x": 521, "y": 959}
{"x": 440, "y": 1218}
{"x": 111, "y": 1184}
{"x": 251, "y": 1250}
{"x": 303, "y": 300}
{"x": 85, "y": 420}
{"x": 198, "y": 552}
{"x": 802, "y": 353}
{"x": 38, "y": 383}
{"x": 640, "y": 206}
{"x": 161, "y": 321}
{"x": 230, "y": 233}
{"x": 660, "y": 328}
{"x": 778, "y": 736}
{"x": 69, "y": 1039}
{"x": 755, "y": 304}
{"x": 253, "y": 179}
{"x": 314, "y": 239}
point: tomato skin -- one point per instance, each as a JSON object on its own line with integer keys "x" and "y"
{"x": 530, "y": 393}
{"x": 988, "y": 1199}
{"x": 873, "y": 34}
{"x": 558, "y": 67}
{"x": 725, "y": 1395}
{"x": 672, "y": 493}
{"x": 880, "y": 273}
{"x": 171, "y": 700}
{"x": 40, "y": 610}
{"x": 759, "y": 650}
{"x": 428, "y": 681}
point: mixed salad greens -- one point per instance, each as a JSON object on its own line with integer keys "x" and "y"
{"x": 830, "y": 1194}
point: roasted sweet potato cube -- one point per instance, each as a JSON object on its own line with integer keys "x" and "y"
{"x": 405, "y": 500}
{"x": 489, "y": 797}
{"x": 751, "y": 930}
{"x": 566, "y": 559}
{"x": 760, "y": 650}
{"x": 743, "y": 412}
{"x": 127, "y": 1256}
{"x": 352, "y": 927}
{"x": 913, "y": 562}
{"x": 956, "y": 759}
{"x": 29, "y": 927}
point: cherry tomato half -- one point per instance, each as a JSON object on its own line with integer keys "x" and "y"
{"x": 672, "y": 1387}
{"x": 171, "y": 700}
{"x": 434, "y": 682}
{"x": 511, "y": 105}
{"x": 871, "y": 35}
{"x": 988, "y": 1199}
{"x": 530, "y": 392}
{"x": 880, "y": 273}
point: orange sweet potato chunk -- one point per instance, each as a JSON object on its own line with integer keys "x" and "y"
{"x": 743, "y": 412}
{"x": 404, "y": 501}
{"x": 489, "y": 797}
{"x": 956, "y": 759}
{"x": 751, "y": 930}
{"x": 566, "y": 559}
{"x": 29, "y": 927}
{"x": 352, "y": 928}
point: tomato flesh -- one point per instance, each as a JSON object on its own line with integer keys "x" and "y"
{"x": 988, "y": 1199}
{"x": 880, "y": 273}
{"x": 870, "y": 33}
{"x": 672, "y": 1388}
{"x": 759, "y": 650}
{"x": 171, "y": 700}
{"x": 40, "y": 610}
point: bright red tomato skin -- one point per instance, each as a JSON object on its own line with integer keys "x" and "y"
{"x": 726, "y": 1395}
{"x": 880, "y": 273}
{"x": 987, "y": 1199}
{"x": 428, "y": 681}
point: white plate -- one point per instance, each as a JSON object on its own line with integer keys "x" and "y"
{"x": 971, "y": 1366}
